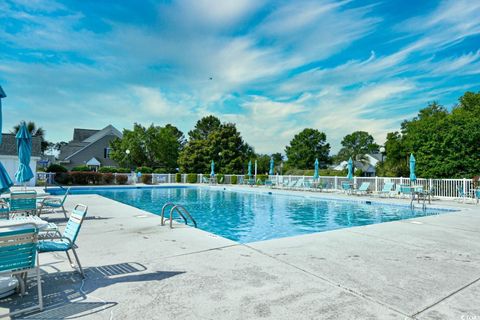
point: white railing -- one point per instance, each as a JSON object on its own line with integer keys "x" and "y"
{"x": 445, "y": 188}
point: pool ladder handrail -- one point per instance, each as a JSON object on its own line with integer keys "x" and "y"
{"x": 178, "y": 208}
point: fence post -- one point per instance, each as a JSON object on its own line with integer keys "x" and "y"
{"x": 376, "y": 184}
{"x": 430, "y": 184}
{"x": 354, "y": 182}
{"x": 465, "y": 191}
{"x": 336, "y": 183}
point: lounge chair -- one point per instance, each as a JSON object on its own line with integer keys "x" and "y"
{"x": 363, "y": 189}
{"x": 405, "y": 190}
{"x": 23, "y": 202}
{"x": 346, "y": 187}
{"x": 18, "y": 256}
{"x": 299, "y": 184}
{"x": 66, "y": 241}
{"x": 53, "y": 203}
{"x": 205, "y": 180}
{"x": 387, "y": 189}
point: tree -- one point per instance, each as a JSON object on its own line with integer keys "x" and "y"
{"x": 445, "y": 144}
{"x": 396, "y": 163}
{"x": 212, "y": 140}
{"x": 204, "y": 128}
{"x": 263, "y": 163}
{"x": 305, "y": 147}
{"x": 35, "y": 132}
{"x": 155, "y": 147}
{"x": 277, "y": 158}
{"x": 356, "y": 146}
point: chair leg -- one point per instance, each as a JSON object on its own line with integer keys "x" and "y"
{"x": 78, "y": 262}
{"x": 64, "y": 211}
{"x": 39, "y": 285}
{"x": 69, "y": 259}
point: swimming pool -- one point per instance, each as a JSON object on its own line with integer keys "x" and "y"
{"x": 254, "y": 216}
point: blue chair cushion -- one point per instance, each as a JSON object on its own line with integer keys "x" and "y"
{"x": 50, "y": 246}
{"x": 52, "y": 204}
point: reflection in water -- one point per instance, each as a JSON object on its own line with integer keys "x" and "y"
{"x": 247, "y": 216}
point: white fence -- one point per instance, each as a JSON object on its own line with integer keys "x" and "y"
{"x": 445, "y": 188}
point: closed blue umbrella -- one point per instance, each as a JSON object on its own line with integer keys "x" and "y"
{"x": 315, "y": 174}
{"x": 2, "y": 95}
{"x": 350, "y": 169}
{"x": 272, "y": 164}
{"x": 413, "y": 177}
{"x": 24, "y": 148}
{"x": 249, "y": 168}
{"x": 212, "y": 173}
{"x": 5, "y": 180}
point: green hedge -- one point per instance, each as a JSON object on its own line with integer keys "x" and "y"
{"x": 108, "y": 178}
{"x": 81, "y": 168}
{"x": 178, "y": 177}
{"x": 84, "y": 178}
{"x": 234, "y": 180}
{"x": 146, "y": 178}
{"x": 192, "y": 178}
{"x": 63, "y": 178}
{"x": 56, "y": 168}
{"x": 144, "y": 170}
{"x": 220, "y": 178}
{"x": 262, "y": 178}
{"x": 121, "y": 179}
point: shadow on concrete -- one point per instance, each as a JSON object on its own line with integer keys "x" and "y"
{"x": 58, "y": 220}
{"x": 66, "y": 295}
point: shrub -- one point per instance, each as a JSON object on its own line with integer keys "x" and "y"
{"x": 123, "y": 170}
{"x": 262, "y": 178}
{"x": 122, "y": 179}
{"x": 192, "y": 178}
{"x": 220, "y": 178}
{"x": 144, "y": 170}
{"x": 63, "y": 178}
{"x": 234, "y": 180}
{"x": 108, "y": 178}
{"x": 79, "y": 177}
{"x": 107, "y": 170}
{"x": 81, "y": 168}
{"x": 146, "y": 178}
{"x": 56, "y": 168}
{"x": 95, "y": 178}
{"x": 178, "y": 177}
{"x": 160, "y": 170}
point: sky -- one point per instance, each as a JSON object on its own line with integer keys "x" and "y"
{"x": 271, "y": 67}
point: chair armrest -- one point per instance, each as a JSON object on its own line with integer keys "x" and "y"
{"x": 59, "y": 237}
{"x": 51, "y": 199}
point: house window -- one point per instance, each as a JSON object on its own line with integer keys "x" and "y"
{"x": 106, "y": 153}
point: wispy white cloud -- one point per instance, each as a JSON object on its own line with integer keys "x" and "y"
{"x": 285, "y": 66}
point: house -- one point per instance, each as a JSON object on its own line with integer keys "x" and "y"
{"x": 90, "y": 148}
{"x": 9, "y": 155}
{"x": 368, "y": 166}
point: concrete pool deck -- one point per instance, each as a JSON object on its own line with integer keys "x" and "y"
{"x": 422, "y": 268}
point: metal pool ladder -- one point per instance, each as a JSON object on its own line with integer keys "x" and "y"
{"x": 181, "y": 210}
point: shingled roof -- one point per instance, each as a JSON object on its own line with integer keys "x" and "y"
{"x": 9, "y": 145}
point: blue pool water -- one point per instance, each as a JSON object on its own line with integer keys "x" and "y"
{"x": 254, "y": 216}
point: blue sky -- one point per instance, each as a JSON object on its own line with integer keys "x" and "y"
{"x": 276, "y": 66}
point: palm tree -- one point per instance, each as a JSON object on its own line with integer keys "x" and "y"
{"x": 36, "y": 132}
